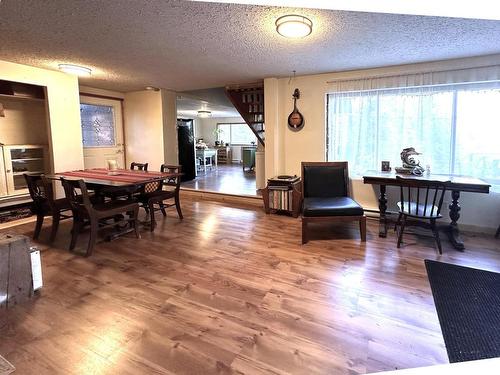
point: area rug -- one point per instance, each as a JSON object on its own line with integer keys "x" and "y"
{"x": 6, "y": 367}
{"x": 468, "y": 306}
{"x": 15, "y": 214}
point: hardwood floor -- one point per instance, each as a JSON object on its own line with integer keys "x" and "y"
{"x": 230, "y": 290}
{"x": 227, "y": 179}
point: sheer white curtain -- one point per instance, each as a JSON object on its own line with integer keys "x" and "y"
{"x": 456, "y": 127}
{"x": 368, "y": 127}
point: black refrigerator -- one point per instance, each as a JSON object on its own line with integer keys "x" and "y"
{"x": 185, "y": 139}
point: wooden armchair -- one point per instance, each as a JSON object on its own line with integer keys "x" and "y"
{"x": 421, "y": 201}
{"x": 44, "y": 204}
{"x": 96, "y": 215}
{"x": 325, "y": 193}
{"x": 156, "y": 193}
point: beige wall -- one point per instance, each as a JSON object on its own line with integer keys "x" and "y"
{"x": 285, "y": 150}
{"x": 169, "y": 115}
{"x": 65, "y": 139}
{"x": 143, "y": 125}
{"x": 25, "y": 122}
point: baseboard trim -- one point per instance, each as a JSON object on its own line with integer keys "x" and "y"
{"x": 251, "y": 200}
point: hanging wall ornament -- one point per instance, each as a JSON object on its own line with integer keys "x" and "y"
{"x": 295, "y": 119}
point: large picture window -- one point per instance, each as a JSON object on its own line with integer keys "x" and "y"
{"x": 235, "y": 134}
{"x": 457, "y": 128}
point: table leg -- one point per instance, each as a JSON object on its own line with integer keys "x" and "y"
{"x": 382, "y": 206}
{"x": 216, "y": 161}
{"x": 453, "y": 232}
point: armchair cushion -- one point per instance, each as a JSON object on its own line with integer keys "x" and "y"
{"x": 336, "y": 206}
{"x": 325, "y": 181}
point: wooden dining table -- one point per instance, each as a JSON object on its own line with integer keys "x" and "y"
{"x": 101, "y": 180}
{"x": 455, "y": 184}
{"x": 117, "y": 182}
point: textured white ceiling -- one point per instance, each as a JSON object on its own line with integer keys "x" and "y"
{"x": 190, "y": 45}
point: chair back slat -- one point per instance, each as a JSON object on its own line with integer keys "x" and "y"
{"x": 139, "y": 166}
{"x": 432, "y": 190}
{"x": 36, "y": 188}
{"x": 174, "y": 180}
{"x": 76, "y": 201}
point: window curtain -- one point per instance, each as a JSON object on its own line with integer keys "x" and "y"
{"x": 456, "y": 126}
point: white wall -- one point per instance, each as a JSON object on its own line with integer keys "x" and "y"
{"x": 65, "y": 136}
{"x": 285, "y": 150}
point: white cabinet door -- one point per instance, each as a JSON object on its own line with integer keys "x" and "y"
{"x": 3, "y": 176}
{"x": 21, "y": 159}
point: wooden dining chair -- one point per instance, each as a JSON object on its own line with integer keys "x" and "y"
{"x": 421, "y": 201}
{"x": 497, "y": 234}
{"x": 44, "y": 204}
{"x": 154, "y": 199}
{"x": 325, "y": 196}
{"x": 97, "y": 215}
{"x": 139, "y": 166}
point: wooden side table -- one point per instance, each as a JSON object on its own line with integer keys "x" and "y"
{"x": 15, "y": 270}
{"x": 283, "y": 198}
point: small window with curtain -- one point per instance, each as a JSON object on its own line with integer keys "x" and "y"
{"x": 456, "y": 128}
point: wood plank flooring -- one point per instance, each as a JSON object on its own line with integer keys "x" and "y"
{"x": 226, "y": 179}
{"x": 230, "y": 290}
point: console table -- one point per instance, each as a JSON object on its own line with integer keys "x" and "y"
{"x": 457, "y": 184}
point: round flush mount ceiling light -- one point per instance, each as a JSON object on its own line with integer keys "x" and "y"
{"x": 294, "y": 26}
{"x": 75, "y": 69}
{"x": 152, "y": 88}
{"x": 204, "y": 114}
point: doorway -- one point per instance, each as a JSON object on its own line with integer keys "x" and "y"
{"x": 102, "y": 131}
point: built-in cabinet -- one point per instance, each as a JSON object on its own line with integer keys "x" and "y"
{"x": 18, "y": 160}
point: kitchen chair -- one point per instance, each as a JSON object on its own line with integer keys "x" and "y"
{"x": 44, "y": 204}
{"x": 155, "y": 194}
{"x": 325, "y": 196}
{"x": 498, "y": 232}
{"x": 420, "y": 201}
{"x": 97, "y": 215}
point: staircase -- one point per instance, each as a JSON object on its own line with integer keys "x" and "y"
{"x": 249, "y": 102}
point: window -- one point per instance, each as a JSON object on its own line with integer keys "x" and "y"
{"x": 235, "y": 134}
{"x": 98, "y": 125}
{"x": 456, "y": 128}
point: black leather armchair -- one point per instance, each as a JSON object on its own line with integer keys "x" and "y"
{"x": 325, "y": 193}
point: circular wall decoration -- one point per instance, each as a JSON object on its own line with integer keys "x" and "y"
{"x": 295, "y": 119}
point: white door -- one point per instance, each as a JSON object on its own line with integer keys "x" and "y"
{"x": 102, "y": 131}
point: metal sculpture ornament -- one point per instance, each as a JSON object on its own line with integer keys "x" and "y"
{"x": 295, "y": 119}
{"x": 411, "y": 165}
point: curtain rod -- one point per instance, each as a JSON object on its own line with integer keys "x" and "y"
{"x": 387, "y": 75}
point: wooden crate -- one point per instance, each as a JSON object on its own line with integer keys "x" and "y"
{"x": 16, "y": 284}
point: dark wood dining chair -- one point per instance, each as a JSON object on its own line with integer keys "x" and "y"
{"x": 155, "y": 194}
{"x": 44, "y": 204}
{"x": 139, "y": 166}
{"x": 99, "y": 215}
{"x": 497, "y": 234}
{"x": 421, "y": 201}
{"x": 325, "y": 196}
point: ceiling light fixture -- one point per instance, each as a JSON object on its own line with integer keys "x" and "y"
{"x": 294, "y": 26}
{"x": 152, "y": 88}
{"x": 204, "y": 114}
{"x": 75, "y": 69}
